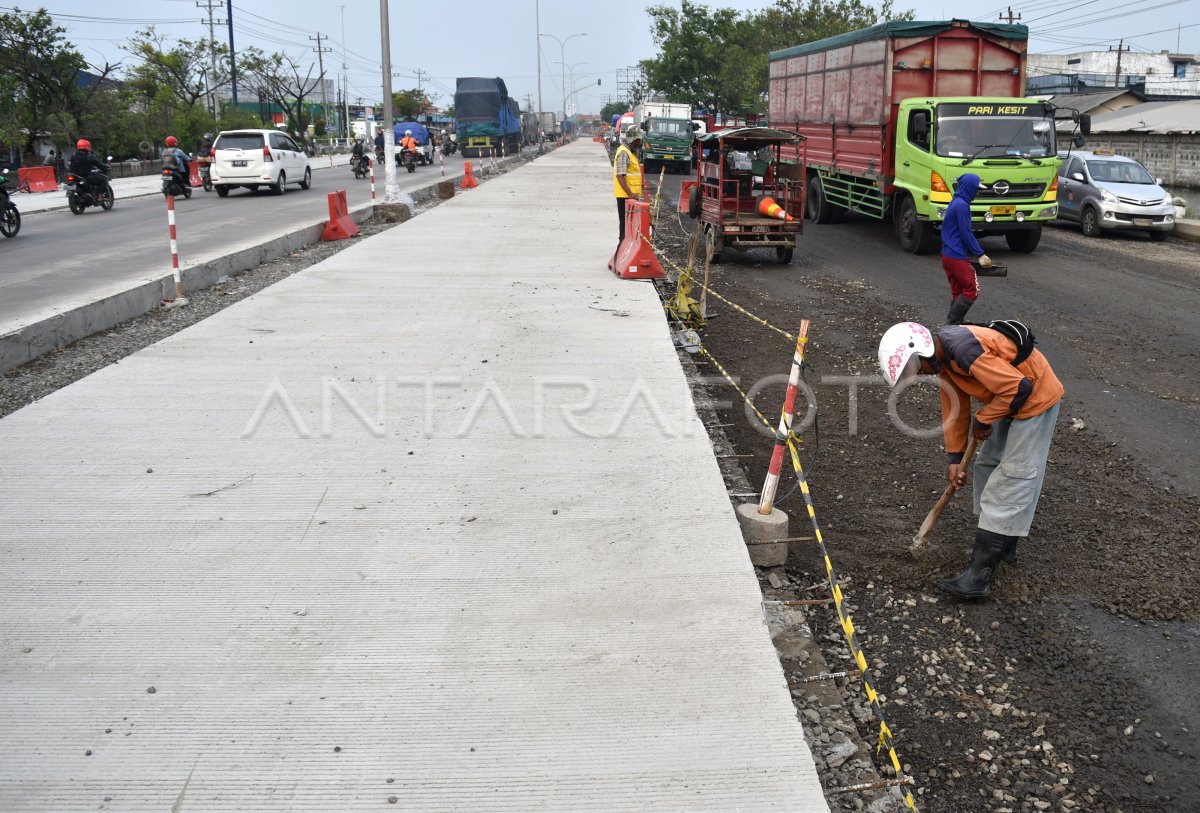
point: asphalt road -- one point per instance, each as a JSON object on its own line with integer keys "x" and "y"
{"x": 1118, "y": 317}
{"x": 62, "y": 259}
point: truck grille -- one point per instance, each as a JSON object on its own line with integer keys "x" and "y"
{"x": 1003, "y": 190}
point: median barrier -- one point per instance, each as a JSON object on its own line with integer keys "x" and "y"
{"x": 635, "y": 257}
{"x": 341, "y": 226}
{"x": 39, "y": 179}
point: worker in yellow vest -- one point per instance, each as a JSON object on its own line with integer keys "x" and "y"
{"x": 627, "y": 176}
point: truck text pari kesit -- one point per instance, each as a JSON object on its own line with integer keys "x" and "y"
{"x": 896, "y": 113}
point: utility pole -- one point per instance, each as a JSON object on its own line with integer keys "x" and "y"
{"x": 389, "y": 135}
{"x": 209, "y": 5}
{"x": 232, "y": 57}
{"x": 1120, "y": 50}
{"x": 1010, "y": 18}
{"x": 537, "y": 41}
{"x": 345, "y": 82}
{"x": 321, "y": 51}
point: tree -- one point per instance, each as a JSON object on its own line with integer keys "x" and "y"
{"x": 184, "y": 70}
{"x": 44, "y": 86}
{"x": 276, "y": 79}
{"x": 409, "y": 104}
{"x": 692, "y": 44}
{"x": 612, "y": 109}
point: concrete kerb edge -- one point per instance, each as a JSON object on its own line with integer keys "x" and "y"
{"x": 34, "y": 340}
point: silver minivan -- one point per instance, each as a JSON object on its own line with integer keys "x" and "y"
{"x": 1101, "y": 191}
{"x": 254, "y": 158}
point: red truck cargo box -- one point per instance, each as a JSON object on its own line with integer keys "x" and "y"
{"x": 842, "y": 92}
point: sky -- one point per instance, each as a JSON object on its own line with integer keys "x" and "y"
{"x": 486, "y": 38}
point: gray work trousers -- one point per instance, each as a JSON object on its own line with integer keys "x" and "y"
{"x": 1009, "y": 469}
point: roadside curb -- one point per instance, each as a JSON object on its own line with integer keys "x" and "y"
{"x": 1188, "y": 230}
{"x": 28, "y": 342}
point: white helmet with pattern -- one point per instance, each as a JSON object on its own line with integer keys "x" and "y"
{"x": 901, "y": 349}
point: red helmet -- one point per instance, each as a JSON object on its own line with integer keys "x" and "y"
{"x": 83, "y": 144}
{"x": 171, "y": 142}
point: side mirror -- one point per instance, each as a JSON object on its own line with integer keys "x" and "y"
{"x": 1077, "y": 140}
{"x": 1077, "y": 176}
{"x": 1085, "y": 124}
{"x": 1158, "y": 181}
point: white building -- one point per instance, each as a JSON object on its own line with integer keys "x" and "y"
{"x": 1155, "y": 75}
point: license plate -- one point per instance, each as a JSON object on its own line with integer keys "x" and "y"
{"x": 1003, "y": 210}
{"x": 762, "y": 229}
{"x": 1142, "y": 221}
{"x": 239, "y": 163}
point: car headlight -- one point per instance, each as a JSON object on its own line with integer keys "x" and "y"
{"x": 1107, "y": 197}
{"x": 1166, "y": 201}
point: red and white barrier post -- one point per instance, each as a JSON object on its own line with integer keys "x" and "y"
{"x": 371, "y": 165}
{"x": 767, "y": 501}
{"x": 442, "y": 158}
{"x": 179, "y": 297}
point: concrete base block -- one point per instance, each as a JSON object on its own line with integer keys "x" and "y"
{"x": 445, "y": 189}
{"x": 759, "y": 531}
{"x": 392, "y": 212}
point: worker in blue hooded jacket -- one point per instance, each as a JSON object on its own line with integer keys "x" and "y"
{"x": 958, "y": 245}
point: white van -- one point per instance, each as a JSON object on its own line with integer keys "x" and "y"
{"x": 254, "y": 158}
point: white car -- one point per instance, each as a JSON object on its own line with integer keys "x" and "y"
{"x": 254, "y": 158}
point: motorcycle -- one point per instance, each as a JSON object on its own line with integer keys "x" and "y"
{"x": 175, "y": 183}
{"x": 407, "y": 159}
{"x": 80, "y": 194}
{"x": 205, "y": 162}
{"x": 10, "y": 218}
{"x": 361, "y": 165}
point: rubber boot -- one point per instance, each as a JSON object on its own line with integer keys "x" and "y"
{"x": 976, "y": 580}
{"x": 958, "y": 310}
{"x": 1009, "y": 557}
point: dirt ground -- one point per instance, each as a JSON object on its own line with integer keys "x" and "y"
{"x": 1073, "y": 688}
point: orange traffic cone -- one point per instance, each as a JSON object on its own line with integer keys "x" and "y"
{"x": 468, "y": 181}
{"x": 767, "y": 207}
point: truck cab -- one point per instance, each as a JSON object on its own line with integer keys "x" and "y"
{"x": 1009, "y": 143}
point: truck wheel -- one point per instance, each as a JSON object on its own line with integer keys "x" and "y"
{"x": 819, "y": 210}
{"x": 1089, "y": 222}
{"x": 715, "y": 244}
{"x": 916, "y": 236}
{"x": 694, "y": 202}
{"x": 1024, "y": 241}
{"x": 783, "y": 254}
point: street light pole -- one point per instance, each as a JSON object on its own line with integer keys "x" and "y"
{"x": 562, "y": 46}
{"x": 537, "y": 22}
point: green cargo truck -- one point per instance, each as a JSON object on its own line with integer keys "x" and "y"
{"x": 896, "y": 113}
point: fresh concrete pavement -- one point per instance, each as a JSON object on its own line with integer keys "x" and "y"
{"x": 431, "y": 523}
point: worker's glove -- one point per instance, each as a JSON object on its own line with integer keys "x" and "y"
{"x": 985, "y": 261}
{"x": 979, "y": 430}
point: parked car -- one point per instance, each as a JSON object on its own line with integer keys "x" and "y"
{"x": 254, "y": 158}
{"x": 1101, "y": 191}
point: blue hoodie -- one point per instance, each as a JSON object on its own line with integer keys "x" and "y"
{"x": 958, "y": 243}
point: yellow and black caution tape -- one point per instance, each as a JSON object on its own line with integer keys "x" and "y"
{"x": 847, "y": 624}
{"x": 885, "y": 740}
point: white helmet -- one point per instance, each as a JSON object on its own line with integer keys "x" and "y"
{"x": 900, "y": 349}
{"x": 408, "y": 132}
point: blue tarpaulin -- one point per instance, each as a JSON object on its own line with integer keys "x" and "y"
{"x": 418, "y": 130}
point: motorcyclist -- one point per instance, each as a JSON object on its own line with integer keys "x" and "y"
{"x": 176, "y": 159}
{"x": 86, "y": 165}
{"x": 379, "y": 141}
{"x": 408, "y": 142}
{"x": 359, "y": 151}
{"x": 206, "y": 146}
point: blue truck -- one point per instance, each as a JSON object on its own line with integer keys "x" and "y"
{"x": 486, "y": 119}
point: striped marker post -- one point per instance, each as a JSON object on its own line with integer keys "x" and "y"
{"x": 442, "y": 158}
{"x": 179, "y": 298}
{"x": 371, "y": 164}
{"x": 767, "y": 501}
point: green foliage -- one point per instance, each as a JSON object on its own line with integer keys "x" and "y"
{"x": 612, "y": 109}
{"x": 718, "y": 58}
{"x": 408, "y": 104}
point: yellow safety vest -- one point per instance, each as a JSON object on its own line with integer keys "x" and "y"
{"x": 633, "y": 175}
